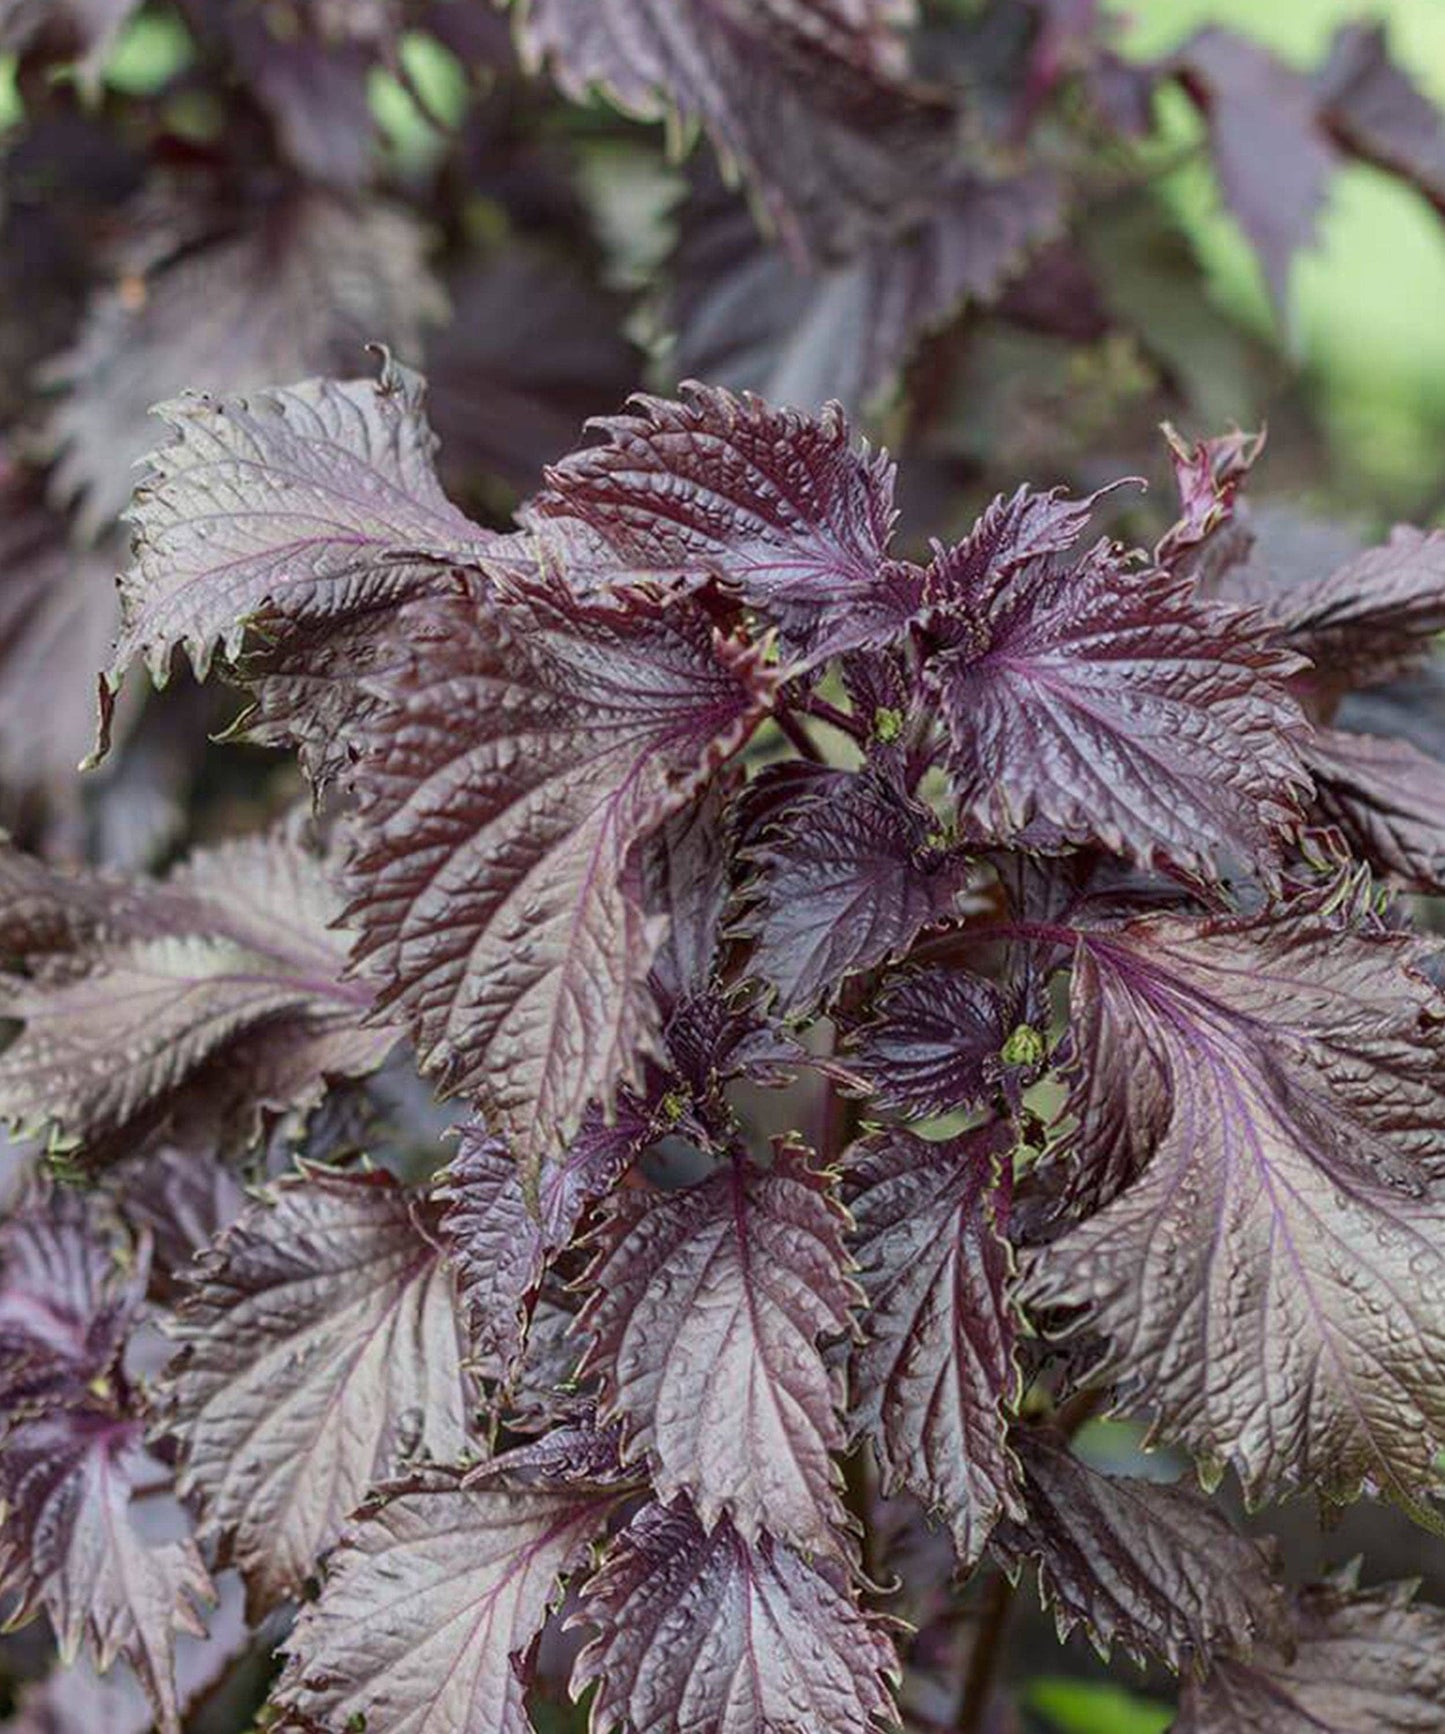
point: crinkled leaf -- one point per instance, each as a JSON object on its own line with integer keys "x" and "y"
{"x": 309, "y": 67}
{"x": 50, "y": 914}
{"x": 685, "y": 871}
{"x": 71, "y": 1543}
{"x": 1271, "y": 153}
{"x": 182, "y": 1199}
{"x": 781, "y": 506}
{"x": 320, "y": 500}
{"x": 847, "y": 880}
{"x": 934, "y": 1374}
{"x": 1388, "y": 801}
{"x": 433, "y": 1600}
{"x": 702, "y": 1630}
{"x": 67, "y": 1299}
{"x": 1154, "y": 1568}
{"x": 527, "y": 747}
{"x": 807, "y": 96}
{"x": 498, "y": 1242}
{"x": 320, "y": 1352}
{"x": 940, "y": 1039}
{"x": 1270, "y": 1284}
{"x": 1011, "y": 531}
{"x": 1110, "y": 702}
{"x": 309, "y": 686}
{"x": 706, "y": 1307}
{"x": 1208, "y": 474}
{"x": 1360, "y": 1659}
{"x": 1375, "y": 110}
{"x": 201, "y": 1006}
{"x": 1411, "y": 708}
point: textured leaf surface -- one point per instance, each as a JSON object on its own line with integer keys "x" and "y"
{"x": 1156, "y": 1569}
{"x": 1362, "y": 1659}
{"x": 433, "y": 1601}
{"x": 1270, "y": 1284}
{"x": 805, "y": 95}
{"x": 934, "y": 1375}
{"x": 70, "y": 1543}
{"x": 78, "y": 1700}
{"x": 182, "y": 1199}
{"x": 203, "y": 299}
{"x": 320, "y": 1351}
{"x": 935, "y": 1042}
{"x": 703, "y": 1630}
{"x": 217, "y": 1001}
{"x": 846, "y": 880}
{"x": 784, "y": 507}
{"x": 66, "y": 1300}
{"x": 527, "y": 749}
{"x": 320, "y": 500}
{"x": 705, "y": 1308}
{"x": 1387, "y": 799}
{"x": 499, "y": 1245}
{"x": 1109, "y": 702}
{"x": 1270, "y": 151}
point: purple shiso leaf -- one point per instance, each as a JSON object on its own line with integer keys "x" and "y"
{"x": 1261, "y": 1119}
{"x": 1386, "y": 799}
{"x": 432, "y": 1603}
{"x": 320, "y": 1352}
{"x": 848, "y": 880}
{"x": 182, "y": 1011}
{"x": 525, "y": 749}
{"x": 1355, "y": 1659}
{"x": 934, "y": 1373}
{"x": 1271, "y": 153}
{"x": 700, "y": 1629}
{"x": 729, "y": 1397}
{"x": 808, "y": 97}
{"x": 1109, "y": 702}
{"x": 1153, "y": 1568}
{"x": 783, "y": 508}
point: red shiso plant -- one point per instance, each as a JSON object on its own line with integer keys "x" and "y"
{"x": 894, "y": 1004}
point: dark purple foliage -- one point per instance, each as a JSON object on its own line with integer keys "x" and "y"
{"x": 908, "y": 986}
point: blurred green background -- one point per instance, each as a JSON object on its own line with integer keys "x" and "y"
{"x": 1366, "y": 322}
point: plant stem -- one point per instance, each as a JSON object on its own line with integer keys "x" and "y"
{"x": 820, "y": 708}
{"x": 1082, "y": 1407}
{"x": 987, "y": 1653}
{"x": 793, "y": 731}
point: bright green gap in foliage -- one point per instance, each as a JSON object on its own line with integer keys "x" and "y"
{"x": 1363, "y": 320}
{"x": 437, "y": 76}
{"x": 150, "y": 50}
{"x": 11, "y": 107}
{"x": 415, "y": 130}
{"x": 1089, "y": 1707}
{"x": 1300, "y": 30}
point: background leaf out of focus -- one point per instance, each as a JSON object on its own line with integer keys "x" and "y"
{"x": 1364, "y": 328}
{"x": 535, "y": 256}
